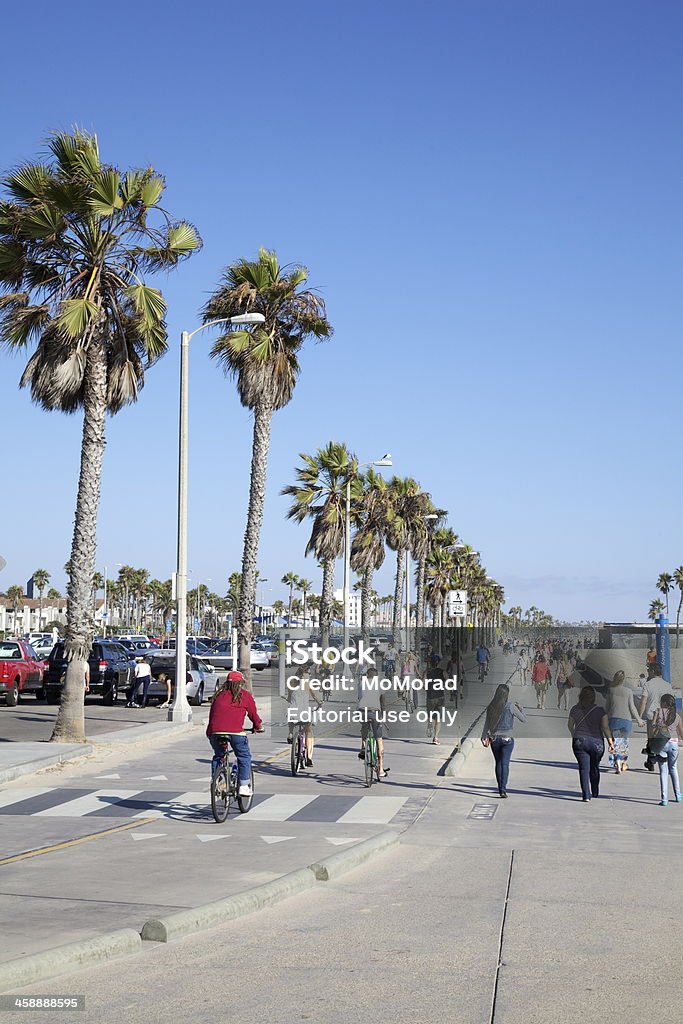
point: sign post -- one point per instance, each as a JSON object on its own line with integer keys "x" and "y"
{"x": 663, "y": 647}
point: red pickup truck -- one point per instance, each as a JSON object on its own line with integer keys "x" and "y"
{"x": 21, "y": 671}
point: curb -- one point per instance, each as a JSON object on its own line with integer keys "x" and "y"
{"x": 209, "y": 915}
{"x": 335, "y": 865}
{"x": 456, "y": 762}
{"x": 118, "y": 737}
{"x": 49, "y": 963}
{"x": 16, "y": 771}
{"x": 52, "y": 962}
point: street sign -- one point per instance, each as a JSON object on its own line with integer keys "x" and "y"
{"x": 196, "y": 625}
{"x": 105, "y": 615}
{"x": 457, "y": 603}
{"x": 169, "y": 625}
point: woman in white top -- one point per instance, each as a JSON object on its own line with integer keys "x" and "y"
{"x": 523, "y": 667}
{"x": 622, "y": 713}
{"x": 300, "y": 693}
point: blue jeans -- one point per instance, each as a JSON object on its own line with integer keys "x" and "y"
{"x": 588, "y": 752}
{"x": 668, "y": 759}
{"x": 501, "y": 748}
{"x": 140, "y": 681}
{"x": 240, "y": 748}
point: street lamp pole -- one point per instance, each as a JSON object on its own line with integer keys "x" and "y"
{"x": 384, "y": 461}
{"x": 180, "y": 710}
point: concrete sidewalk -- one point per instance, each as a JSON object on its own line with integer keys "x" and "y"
{"x": 532, "y": 910}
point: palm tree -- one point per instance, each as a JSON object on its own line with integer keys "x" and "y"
{"x": 15, "y": 594}
{"x": 77, "y": 238}
{"x": 665, "y": 584}
{"x": 440, "y": 568}
{"x": 97, "y": 585}
{"x": 41, "y": 578}
{"x": 407, "y": 506}
{"x": 290, "y": 579}
{"x": 678, "y": 580}
{"x": 162, "y": 600}
{"x": 279, "y": 607}
{"x": 656, "y": 608}
{"x": 304, "y": 587}
{"x": 369, "y": 517}
{"x": 264, "y": 361}
{"x": 320, "y": 494}
{"x": 53, "y": 594}
{"x": 125, "y": 581}
{"x": 314, "y": 601}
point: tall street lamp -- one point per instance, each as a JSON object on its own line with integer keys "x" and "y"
{"x": 180, "y": 710}
{"x": 384, "y": 461}
{"x": 427, "y": 517}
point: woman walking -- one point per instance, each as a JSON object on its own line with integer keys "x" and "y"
{"x": 540, "y": 677}
{"x": 667, "y": 730}
{"x": 523, "y": 667}
{"x": 563, "y": 680}
{"x": 622, "y": 712}
{"x": 589, "y": 725}
{"x": 497, "y": 733}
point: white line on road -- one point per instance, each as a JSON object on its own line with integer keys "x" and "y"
{"x": 277, "y": 808}
{"x": 373, "y": 810}
{"x": 193, "y": 801}
{"x": 96, "y": 801}
{"x": 15, "y": 796}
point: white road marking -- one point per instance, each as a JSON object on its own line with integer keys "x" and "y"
{"x": 15, "y": 796}
{"x": 373, "y": 810}
{"x": 155, "y": 778}
{"x": 114, "y": 776}
{"x": 96, "y": 801}
{"x": 276, "y": 839}
{"x": 211, "y": 838}
{"x": 278, "y": 808}
{"x": 340, "y": 842}
{"x": 192, "y": 801}
{"x": 138, "y": 836}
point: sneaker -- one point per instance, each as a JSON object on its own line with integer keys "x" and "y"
{"x": 663, "y": 803}
{"x": 245, "y": 789}
{"x": 309, "y": 763}
{"x": 361, "y": 755}
{"x": 164, "y": 705}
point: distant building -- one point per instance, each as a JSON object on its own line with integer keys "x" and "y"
{"x": 354, "y": 605}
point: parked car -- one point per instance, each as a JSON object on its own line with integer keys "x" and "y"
{"x": 21, "y": 671}
{"x": 192, "y": 645}
{"x": 270, "y": 648}
{"x": 112, "y": 669}
{"x": 43, "y": 647}
{"x": 201, "y": 679}
{"x": 221, "y": 656}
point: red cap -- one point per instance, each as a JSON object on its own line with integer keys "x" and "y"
{"x": 235, "y": 677}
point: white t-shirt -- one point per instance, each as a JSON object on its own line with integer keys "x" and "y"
{"x": 655, "y": 688}
{"x": 142, "y": 669}
{"x": 368, "y": 697}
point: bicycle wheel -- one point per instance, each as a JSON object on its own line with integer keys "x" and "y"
{"x": 294, "y": 757}
{"x": 370, "y": 756}
{"x": 220, "y": 794}
{"x": 244, "y": 802}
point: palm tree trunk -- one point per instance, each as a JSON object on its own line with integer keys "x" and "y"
{"x": 40, "y": 610}
{"x": 678, "y": 617}
{"x": 252, "y": 534}
{"x": 304, "y": 610}
{"x": 419, "y": 594}
{"x": 326, "y": 601}
{"x": 366, "y": 585}
{"x": 398, "y": 593}
{"x": 289, "y": 605}
{"x": 70, "y": 724}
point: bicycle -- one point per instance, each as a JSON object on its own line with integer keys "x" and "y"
{"x": 298, "y": 751}
{"x": 371, "y": 758}
{"x": 225, "y": 787}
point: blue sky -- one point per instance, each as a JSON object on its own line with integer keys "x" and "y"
{"x": 488, "y": 196}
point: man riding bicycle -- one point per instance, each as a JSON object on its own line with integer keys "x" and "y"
{"x": 371, "y": 703}
{"x": 483, "y": 657}
{"x": 230, "y": 706}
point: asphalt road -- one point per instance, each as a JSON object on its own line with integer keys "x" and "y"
{"x": 33, "y": 720}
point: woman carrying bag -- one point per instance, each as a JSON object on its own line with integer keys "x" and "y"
{"x": 589, "y": 726}
{"x": 497, "y": 733}
{"x": 667, "y": 730}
